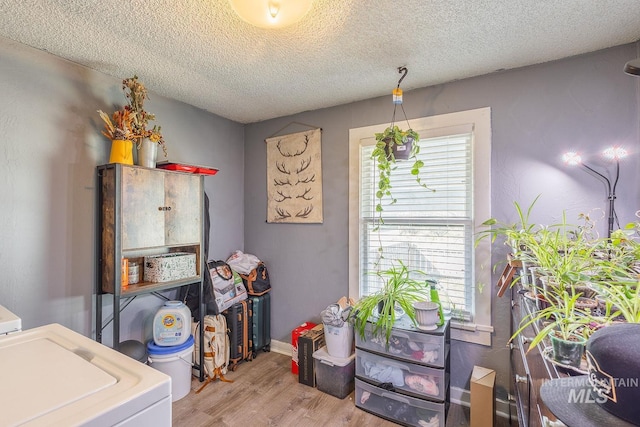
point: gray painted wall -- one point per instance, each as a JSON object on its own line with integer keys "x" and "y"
{"x": 51, "y": 144}
{"x": 538, "y": 112}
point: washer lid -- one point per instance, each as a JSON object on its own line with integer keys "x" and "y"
{"x": 62, "y": 377}
{"x": 53, "y": 376}
{"x": 9, "y": 322}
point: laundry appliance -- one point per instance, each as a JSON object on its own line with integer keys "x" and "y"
{"x": 53, "y": 376}
{"x": 9, "y": 322}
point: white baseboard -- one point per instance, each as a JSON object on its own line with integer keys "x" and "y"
{"x": 462, "y": 397}
{"x": 457, "y": 395}
{"x": 281, "y": 347}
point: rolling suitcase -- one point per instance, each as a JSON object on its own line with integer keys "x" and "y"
{"x": 261, "y": 323}
{"x": 240, "y": 327}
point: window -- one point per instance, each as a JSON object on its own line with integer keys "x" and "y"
{"x": 432, "y": 229}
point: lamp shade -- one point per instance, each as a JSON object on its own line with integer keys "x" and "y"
{"x": 632, "y": 67}
{"x": 271, "y": 13}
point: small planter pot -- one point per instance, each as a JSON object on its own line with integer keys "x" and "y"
{"x": 399, "y": 312}
{"x": 538, "y": 299}
{"x": 586, "y": 303}
{"x": 567, "y": 352}
{"x": 585, "y": 290}
{"x": 400, "y": 152}
{"x": 147, "y": 153}
{"x": 427, "y": 315}
{"x": 536, "y": 278}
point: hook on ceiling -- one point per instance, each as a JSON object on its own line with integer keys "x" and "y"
{"x": 404, "y": 71}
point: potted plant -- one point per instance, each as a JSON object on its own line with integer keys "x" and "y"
{"x": 148, "y": 140}
{"x": 120, "y": 132}
{"x": 137, "y": 119}
{"x": 566, "y": 326}
{"x": 622, "y": 298}
{"x": 386, "y": 142}
{"x": 381, "y": 309}
{"x": 513, "y": 233}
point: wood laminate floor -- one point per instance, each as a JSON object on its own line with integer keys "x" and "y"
{"x": 266, "y": 393}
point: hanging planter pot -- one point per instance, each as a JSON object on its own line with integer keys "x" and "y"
{"x": 400, "y": 151}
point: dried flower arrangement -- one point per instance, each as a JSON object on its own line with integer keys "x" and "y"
{"x": 131, "y": 122}
{"x": 120, "y": 128}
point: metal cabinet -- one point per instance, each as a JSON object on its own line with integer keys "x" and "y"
{"x": 142, "y": 212}
{"x": 161, "y": 209}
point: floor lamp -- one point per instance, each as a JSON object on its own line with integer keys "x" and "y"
{"x": 612, "y": 153}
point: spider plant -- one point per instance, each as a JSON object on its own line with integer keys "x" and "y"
{"x": 399, "y": 290}
{"x": 561, "y": 318}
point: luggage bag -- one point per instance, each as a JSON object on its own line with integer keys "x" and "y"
{"x": 261, "y": 323}
{"x": 240, "y": 327}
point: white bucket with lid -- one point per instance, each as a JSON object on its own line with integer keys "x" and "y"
{"x": 176, "y": 362}
{"x": 172, "y": 324}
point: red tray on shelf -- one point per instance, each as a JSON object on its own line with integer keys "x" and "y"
{"x": 181, "y": 167}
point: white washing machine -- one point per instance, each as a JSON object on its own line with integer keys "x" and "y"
{"x": 9, "y": 322}
{"x": 53, "y": 376}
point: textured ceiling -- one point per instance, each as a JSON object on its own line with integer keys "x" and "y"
{"x": 200, "y": 52}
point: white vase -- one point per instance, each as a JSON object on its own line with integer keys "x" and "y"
{"x": 147, "y": 153}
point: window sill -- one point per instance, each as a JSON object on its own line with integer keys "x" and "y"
{"x": 470, "y": 332}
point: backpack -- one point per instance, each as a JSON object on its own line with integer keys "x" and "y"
{"x": 216, "y": 348}
{"x": 257, "y": 281}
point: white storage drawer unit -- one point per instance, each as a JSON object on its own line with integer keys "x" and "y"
{"x": 399, "y": 408}
{"x": 407, "y": 380}
{"x": 403, "y": 377}
{"x": 411, "y": 345}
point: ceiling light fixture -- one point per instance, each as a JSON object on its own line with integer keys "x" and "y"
{"x": 615, "y": 153}
{"x": 632, "y": 67}
{"x": 271, "y": 13}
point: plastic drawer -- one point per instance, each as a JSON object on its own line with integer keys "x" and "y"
{"x": 413, "y": 346}
{"x": 407, "y": 378}
{"x": 398, "y": 408}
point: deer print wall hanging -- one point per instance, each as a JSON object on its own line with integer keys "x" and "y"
{"x": 294, "y": 178}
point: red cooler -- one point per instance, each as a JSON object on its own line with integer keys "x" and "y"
{"x": 295, "y": 334}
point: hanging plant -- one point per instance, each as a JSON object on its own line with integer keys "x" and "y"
{"x": 394, "y": 144}
{"x": 385, "y": 160}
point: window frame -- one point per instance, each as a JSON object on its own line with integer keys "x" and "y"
{"x": 480, "y": 329}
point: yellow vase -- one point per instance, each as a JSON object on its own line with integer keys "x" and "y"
{"x": 121, "y": 152}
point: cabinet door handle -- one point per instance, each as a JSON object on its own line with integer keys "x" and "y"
{"x": 521, "y": 379}
{"x": 164, "y": 208}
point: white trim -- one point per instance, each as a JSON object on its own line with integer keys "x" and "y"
{"x": 461, "y": 396}
{"x": 480, "y": 121}
{"x": 281, "y": 347}
{"x": 471, "y": 332}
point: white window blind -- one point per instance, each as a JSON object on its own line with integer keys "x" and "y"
{"x": 427, "y": 229}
